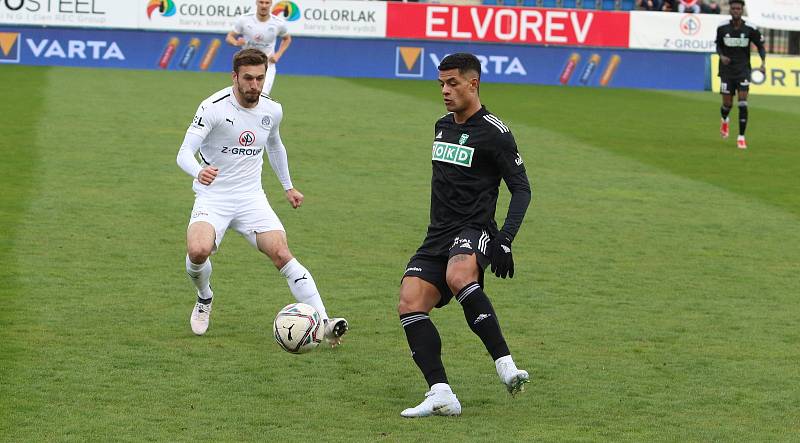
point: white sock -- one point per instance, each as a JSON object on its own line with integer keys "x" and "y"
{"x": 503, "y": 364}
{"x": 200, "y": 276}
{"x": 302, "y": 285}
{"x": 441, "y": 387}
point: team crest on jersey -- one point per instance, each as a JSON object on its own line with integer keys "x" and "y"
{"x": 455, "y": 154}
{"x": 265, "y": 121}
{"x": 247, "y": 138}
{"x": 463, "y": 139}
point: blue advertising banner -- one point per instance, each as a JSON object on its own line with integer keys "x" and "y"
{"x": 356, "y": 58}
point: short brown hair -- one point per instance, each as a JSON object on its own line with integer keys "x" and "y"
{"x": 248, "y": 57}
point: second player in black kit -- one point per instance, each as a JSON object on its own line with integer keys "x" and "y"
{"x": 733, "y": 41}
{"x": 469, "y": 160}
{"x": 472, "y": 152}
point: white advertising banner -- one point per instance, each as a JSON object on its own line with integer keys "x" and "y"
{"x": 335, "y": 18}
{"x": 775, "y": 14}
{"x": 192, "y": 15}
{"x": 674, "y": 32}
{"x": 339, "y": 18}
{"x": 322, "y": 18}
{"x": 83, "y": 13}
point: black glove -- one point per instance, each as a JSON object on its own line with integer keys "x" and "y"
{"x": 500, "y": 255}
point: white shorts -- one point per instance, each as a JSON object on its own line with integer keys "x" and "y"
{"x": 248, "y": 216}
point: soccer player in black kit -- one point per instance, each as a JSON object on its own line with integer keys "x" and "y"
{"x": 733, "y": 46}
{"x": 472, "y": 151}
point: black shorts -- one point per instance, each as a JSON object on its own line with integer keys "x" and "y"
{"x": 432, "y": 267}
{"x": 729, "y": 85}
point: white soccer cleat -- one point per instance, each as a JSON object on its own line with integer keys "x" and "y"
{"x": 200, "y": 317}
{"x": 513, "y": 378}
{"x": 440, "y": 400}
{"x": 335, "y": 328}
{"x": 741, "y": 143}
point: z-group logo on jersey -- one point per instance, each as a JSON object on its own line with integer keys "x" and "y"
{"x": 247, "y": 138}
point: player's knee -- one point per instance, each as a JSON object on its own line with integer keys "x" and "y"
{"x": 403, "y": 306}
{"x": 410, "y": 303}
{"x": 457, "y": 280}
{"x": 281, "y": 256}
{"x": 198, "y": 253}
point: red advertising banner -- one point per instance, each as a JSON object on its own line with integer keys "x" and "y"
{"x": 534, "y": 26}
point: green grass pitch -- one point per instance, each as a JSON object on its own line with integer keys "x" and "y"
{"x": 656, "y": 296}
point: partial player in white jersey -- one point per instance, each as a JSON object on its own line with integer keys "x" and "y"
{"x": 261, "y": 31}
{"x": 230, "y": 132}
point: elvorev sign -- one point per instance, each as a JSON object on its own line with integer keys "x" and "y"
{"x": 83, "y": 13}
{"x": 320, "y": 18}
{"x": 674, "y": 32}
{"x": 573, "y": 27}
{"x": 783, "y": 75}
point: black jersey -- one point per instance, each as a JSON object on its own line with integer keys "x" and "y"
{"x": 469, "y": 160}
{"x": 735, "y": 43}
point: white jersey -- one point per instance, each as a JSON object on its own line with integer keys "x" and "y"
{"x": 234, "y": 140}
{"x": 260, "y": 35}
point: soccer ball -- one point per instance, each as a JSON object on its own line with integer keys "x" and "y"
{"x": 298, "y": 328}
{"x": 757, "y": 77}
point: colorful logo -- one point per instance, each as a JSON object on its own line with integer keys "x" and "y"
{"x": 9, "y": 47}
{"x": 165, "y": 7}
{"x": 690, "y": 25}
{"x": 247, "y": 138}
{"x": 408, "y": 61}
{"x": 289, "y": 10}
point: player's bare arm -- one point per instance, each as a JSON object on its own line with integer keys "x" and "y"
{"x": 285, "y": 42}
{"x": 234, "y": 39}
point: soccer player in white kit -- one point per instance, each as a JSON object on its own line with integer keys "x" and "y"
{"x": 261, "y": 31}
{"x": 231, "y": 131}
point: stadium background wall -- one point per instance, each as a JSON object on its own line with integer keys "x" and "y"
{"x": 377, "y": 58}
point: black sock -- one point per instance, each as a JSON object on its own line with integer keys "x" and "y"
{"x": 742, "y": 117}
{"x": 724, "y": 111}
{"x": 426, "y": 346}
{"x": 482, "y": 319}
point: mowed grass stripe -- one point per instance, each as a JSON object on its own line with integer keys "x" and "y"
{"x": 21, "y": 123}
{"x": 645, "y": 304}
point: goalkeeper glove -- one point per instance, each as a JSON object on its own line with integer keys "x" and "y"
{"x": 500, "y": 255}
